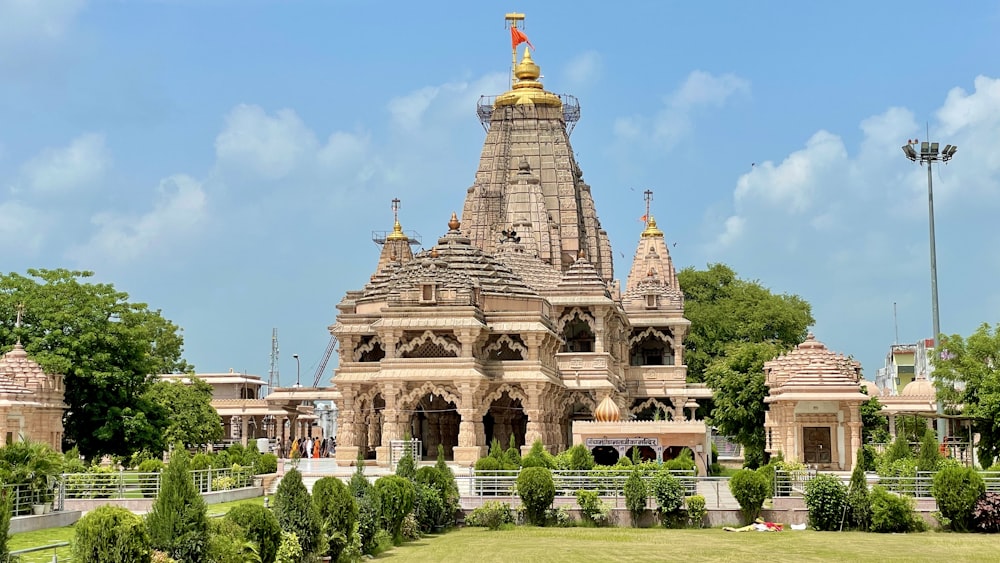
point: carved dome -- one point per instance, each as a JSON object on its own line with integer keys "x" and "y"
{"x": 919, "y": 388}
{"x": 871, "y": 388}
{"x": 608, "y": 411}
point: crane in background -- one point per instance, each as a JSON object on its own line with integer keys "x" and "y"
{"x": 324, "y": 361}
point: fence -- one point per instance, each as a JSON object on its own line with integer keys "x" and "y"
{"x": 56, "y": 548}
{"x": 23, "y": 498}
{"x": 792, "y": 483}
{"x": 606, "y": 483}
{"x": 134, "y": 485}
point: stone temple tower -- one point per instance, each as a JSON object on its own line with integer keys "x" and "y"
{"x": 528, "y": 185}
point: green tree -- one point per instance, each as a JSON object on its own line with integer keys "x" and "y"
{"x": 724, "y": 309}
{"x": 188, "y": 406}
{"x": 6, "y": 511}
{"x": 106, "y": 347}
{"x": 178, "y": 521}
{"x": 296, "y": 512}
{"x": 261, "y": 528}
{"x": 874, "y": 424}
{"x": 968, "y": 377}
{"x": 338, "y": 511}
{"x": 737, "y": 382}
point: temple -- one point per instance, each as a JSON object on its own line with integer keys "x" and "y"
{"x": 512, "y": 327}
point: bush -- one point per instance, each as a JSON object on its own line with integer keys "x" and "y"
{"x": 396, "y": 496}
{"x": 266, "y": 463}
{"x": 537, "y": 491}
{"x": 296, "y": 513}
{"x": 6, "y": 511}
{"x": 892, "y": 513}
{"x": 580, "y": 458}
{"x": 492, "y": 514}
{"x": 986, "y": 514}
{"x": 636, "y": 495}
{"x": 558, "y": 517}
{"x": 749, "y": 488}
{"x": 110, "y": 534}
{"x": 858, "y": 499}
{"x": 929, "y": 458}
{"x": 201, "y": 461}
{"x": 538, "y": 457}
{"x": 956, "y": 490}
{"x": 696, "y": 510}
{"x": 368, "y": 522}
{"x": 178, "y": 521}
{"x": 899, "y": 476}
{"x": 826, "y": 499}
{"x": 338, "y": 512}
{"x": 593, "y": 508}
{"x": 260, "y": 526}
{"x": 669, "y": 494}
{"x": 683, "y": 462}
{"x": 488, "y": 463}
{"x": 428, "y": 508}
{"x": 900, "y": 449}
{"x": 227, "y": 543}
{"x": 290, "y": 549}
{"x": 406, "y": 468}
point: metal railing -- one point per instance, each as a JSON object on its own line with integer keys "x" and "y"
{"x": 606, "y": 483}
{"x": 23, "y": 498}
{"x": 792, "y": 483}
{"x": 16, "y": 556}
{"x": 135, "y": 485}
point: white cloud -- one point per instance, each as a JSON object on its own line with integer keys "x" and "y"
{"x": 178, "y": 214}
{"x": 583, "y": 69}
{"x": 443, "y": 104}
{"x": 22, "y": 228}
{"x": 256, "y": 144}
{"x": 78, "y": 166}
{"x": 701, "y": 90}
{"x": 36, "y": 20}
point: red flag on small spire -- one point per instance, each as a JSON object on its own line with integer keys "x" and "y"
{"x": 517, "y": 37}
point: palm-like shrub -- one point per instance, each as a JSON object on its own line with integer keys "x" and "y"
{"x": 31, "y": 463}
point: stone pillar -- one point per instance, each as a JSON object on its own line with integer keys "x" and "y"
{"x": 678, "y": 333}
{"x": 390, "y": 423}
{"x": 599, "y": 330}
{"x": 244, "y": 429}
{"x": 470, "y": 427}
{"x": 347, "y": 446}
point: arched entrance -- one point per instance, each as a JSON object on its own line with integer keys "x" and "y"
{"x": 435, "y": 420}
{"x": 504, "y": 419}
{"x": 605, "y": 455}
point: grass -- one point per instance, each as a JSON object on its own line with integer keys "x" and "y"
{"x": 571, "y": 545}
{"x": 49, "y": 536}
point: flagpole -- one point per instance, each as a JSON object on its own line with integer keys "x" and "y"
{"x": 512, "y": 19}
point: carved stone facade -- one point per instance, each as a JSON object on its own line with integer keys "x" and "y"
{"x": 31, "y": 401}
{"x": 511, "y": 326}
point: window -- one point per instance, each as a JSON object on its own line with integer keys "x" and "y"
{"x": 427, "y": 293}
{"x": 650, "y": 301}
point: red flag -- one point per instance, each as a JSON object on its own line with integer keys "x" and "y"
{"x": 517, "y": 37}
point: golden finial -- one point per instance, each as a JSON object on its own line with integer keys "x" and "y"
{"x": 434, "y": 253}
{"x": 454, "y": 223}
{"x": 397, "y": 229}
{"x": 582, "y": 255}
{"x": 651, "y": 230}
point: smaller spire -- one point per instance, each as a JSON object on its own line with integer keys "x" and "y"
{"x": 397, "y": 229}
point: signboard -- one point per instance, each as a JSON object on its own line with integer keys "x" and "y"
{"x": 626, "y": 442}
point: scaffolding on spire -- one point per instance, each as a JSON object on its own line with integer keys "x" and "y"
{"x": 379, "y": 237}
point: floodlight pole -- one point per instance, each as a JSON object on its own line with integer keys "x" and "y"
{"x": 929, "y": 154}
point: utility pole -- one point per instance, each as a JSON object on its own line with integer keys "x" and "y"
{"x": 929, "y": 154}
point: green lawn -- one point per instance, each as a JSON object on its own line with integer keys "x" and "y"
{"x": 571, "y": 545}
{"x": 56, "y": 535}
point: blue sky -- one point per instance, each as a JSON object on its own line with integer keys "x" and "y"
{"x": 227, "y": 161}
